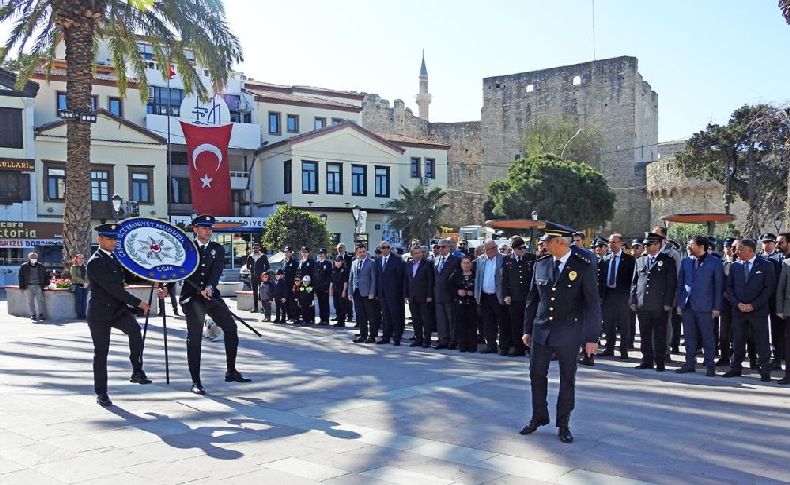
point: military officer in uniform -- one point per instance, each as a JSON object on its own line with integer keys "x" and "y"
{"x": 652, "y": 294}
{"x": 563, "y": 312}
{"x": 109, "y": 307}
{"x": 516, "y": 276}
{"x": 200, "y": 297}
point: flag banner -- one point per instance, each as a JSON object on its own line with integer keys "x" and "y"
{"x": 209, "y": 170}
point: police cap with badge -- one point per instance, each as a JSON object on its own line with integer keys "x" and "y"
{"x": 768, "y": 237}
{"x": 204, "y": 220}
{"x": 107, "y": 230}
{"x": 652, "y": 238}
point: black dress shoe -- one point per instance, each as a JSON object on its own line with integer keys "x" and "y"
{"x": 370, "y": 340}
{"x": 685, "y": 370}
{"x": 103, "y": 400}
{"x": 607, "y": 353}
{"x": 565, "y": 435}
{"x": 416, "y": 343}
{"x": 660, "y": 367}
{"x": 710, "y": 371}
{"x": 623, "y": 356}
{"x": 42, "y": 317}
{"x": 396, "y": 343}
{"x": 753, "y": 364}
{"x": 381, "y": 341}
{"x": 175, "y": 312}
{"x": 722, "y": 363}
{"x": 533, "y": 426}
{"x": 440, "y": 346}
{"x": 765, "y": 377}
{"x": 359, "y": 340}
{"x": 235, "y": 376}
{"x": 732, "y": 373}
{"x": 644, "y": 365}
{"x": 488, "y": 350}
{"x": 140, "y": 378}
{"x": 197, "y": 388}
{"x": 588, "y": 360}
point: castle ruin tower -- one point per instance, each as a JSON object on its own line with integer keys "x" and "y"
{"x": 423, "y": 98}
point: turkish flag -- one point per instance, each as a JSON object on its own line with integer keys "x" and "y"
{"x": 209, "y": 173}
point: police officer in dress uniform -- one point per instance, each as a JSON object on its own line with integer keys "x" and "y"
{"x": 563, "y": 311}
{"x": 516, "y": 276}
{"x": 652, "y": 294}
{"x": 322, "y": 282}
{"x": 109, "y": 307}
{"x": 200, "y": 297}
{"x": 290, "y": 269}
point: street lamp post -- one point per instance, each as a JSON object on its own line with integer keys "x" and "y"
{"x": 532, "y": 231}
{"x": 355, "y": 210}
{"x": 117, "y": 202}
{"x": 323, "y": 219}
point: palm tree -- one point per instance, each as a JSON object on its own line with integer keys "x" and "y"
{"x": 417, "y": 212}
{"x": 171, "y": 28}
{"x": 784, "y": 6}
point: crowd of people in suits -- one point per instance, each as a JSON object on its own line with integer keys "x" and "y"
{"x": 475, "y": 300}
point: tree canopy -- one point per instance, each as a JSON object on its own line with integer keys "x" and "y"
{"x": 566, "y": 138}
{"x": 562, "y": 191}
{"x": 417, "y": 212}
{"x": 289, "y": 226}
{"x": 751, "y": 150}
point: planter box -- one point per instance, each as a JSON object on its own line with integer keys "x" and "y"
{"x": 244, "y": 300}
{"x": 59, "y": 303}
{"x": 229, "y": 289}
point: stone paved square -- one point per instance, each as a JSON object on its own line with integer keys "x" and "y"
{"x": 323, "y": 410}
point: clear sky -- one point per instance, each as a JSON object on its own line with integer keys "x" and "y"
{"x": 704, "y": 58}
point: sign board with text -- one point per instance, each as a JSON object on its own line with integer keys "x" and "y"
{"x": 30, "y": 230}
{"x": 243, "y": 224}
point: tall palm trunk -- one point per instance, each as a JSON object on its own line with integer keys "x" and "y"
{"x": 79, "y": 29}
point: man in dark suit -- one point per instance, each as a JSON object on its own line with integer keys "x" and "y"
{"x": 348, "y": 258}
{"x": 322, "y": 281}
{"x": 444, "y": 266}
{"x": 563, "y": 312}
{"x": 109, "y": 307}
{"x": 418, "y": 286}
{"x": 200, "y": 297}
{"x": 257, "y": 263}
{"x": 614, "y": 284}
{"x": 290, "y": 269}
{"x": 516, "y": 277}
{"x": 389, "y": 291}
{"x": 775, "y": 256}
{"x": 362, "y": 291}
{"x": 699, "y": 299}
{"x": 725, "y": 317}
{"x": 750, "y": 289}
{"x": 652, "y": 294}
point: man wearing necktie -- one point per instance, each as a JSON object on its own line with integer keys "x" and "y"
{"x": 446, "y": 264}
{"x": 362, "y": 291}
{"x": 516, "y": 276}
{"x": 389, "y": 290}
{"x": 750, "y": 288}
{"x": 109, "y": 307}
{"x": 563, "y": 312}
{"x": 615, "y": 275}
{"x": 652, "y": 294}
{"x": 200, "y": 297}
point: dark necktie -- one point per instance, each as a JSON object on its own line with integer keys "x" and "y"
{"x": 612, "y": 272}
{"x": 748, "y": 268}
{"x": 557, "y": 264}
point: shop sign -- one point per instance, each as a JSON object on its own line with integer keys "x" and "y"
{"x": 30, "y": 230}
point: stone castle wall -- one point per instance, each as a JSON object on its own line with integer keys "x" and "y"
{"x": 380, "y": 117}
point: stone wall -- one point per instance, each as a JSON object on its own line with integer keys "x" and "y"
{"x": 380, "y": 117}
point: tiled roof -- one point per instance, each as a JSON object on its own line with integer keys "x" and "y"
{"x": 415, "y": 142}
{"x": 332, "y": 129}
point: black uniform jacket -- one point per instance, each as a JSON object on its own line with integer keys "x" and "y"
{"x": 209, "y": 270}
{"x": 109, "y": 299}
{"x": 569, "y": 308}
{"x": 516, "y": 276}
{"x": 654, "y": 287}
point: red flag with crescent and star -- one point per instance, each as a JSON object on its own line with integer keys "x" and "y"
{"x": 209, "y": 172}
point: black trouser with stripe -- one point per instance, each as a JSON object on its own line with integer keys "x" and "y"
{"x": 100, "y": 334}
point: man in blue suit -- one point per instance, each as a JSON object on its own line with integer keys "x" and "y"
{"x": 389, "y": 291}
{"x": 750, "y": 288}
{"x": 362, "y": 291}
{"x": 700, "y": 292}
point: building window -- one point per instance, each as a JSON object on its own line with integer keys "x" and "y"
{"x": 62, "y": 104}
{"x": 274, "y": 123}
{"x": 146, "y": 51}
{"x": 334, "y": 178}
{"x": 14, "y": 187}
{"x": 56, "y": 183}
{"x": 287, "y": 177}
{"x": 140, "y": 184}
{"x": 319, "y": 123}
{"x": 382, "y": 181}
{"x": 309, "y": 177}
{"x": 100, "y": 185}
{"x": 414, "y": 167}
{"x": 359, "y": 180}
{"x": 336, "y": 121}
{"x": 11, "y": 134}
{"x": 293, "y": 124}
{"x": 430, "y": 165}
{"x": 179, "y": 188}
{"x": 530, "y": 88}
{"x": 115, "y": 106}
{"x": 577, "y": 80}
{"x": 159, "y": 100}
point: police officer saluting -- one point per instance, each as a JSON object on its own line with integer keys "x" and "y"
{"x": 563, "y": 311}
{"x": 200, "y": 297}
{"x": 109, "y": 307}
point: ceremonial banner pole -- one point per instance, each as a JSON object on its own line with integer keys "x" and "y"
{"x": 220, "y": 301}
{"x": 159, "y": 252}
{"x": 150, "y": 300}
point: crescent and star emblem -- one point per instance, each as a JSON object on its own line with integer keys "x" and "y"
{"x": 206, "y": 147}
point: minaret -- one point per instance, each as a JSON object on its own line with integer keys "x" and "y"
{"x": 423, "y": 99}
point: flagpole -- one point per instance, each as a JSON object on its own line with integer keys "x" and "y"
{"x": 169, "y": 168}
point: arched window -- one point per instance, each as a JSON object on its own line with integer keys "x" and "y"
{"x": 577, "y": 80}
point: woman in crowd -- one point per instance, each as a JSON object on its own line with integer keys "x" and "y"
{"x": 338, "y": 289}
{"x": 464, "y": 307}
